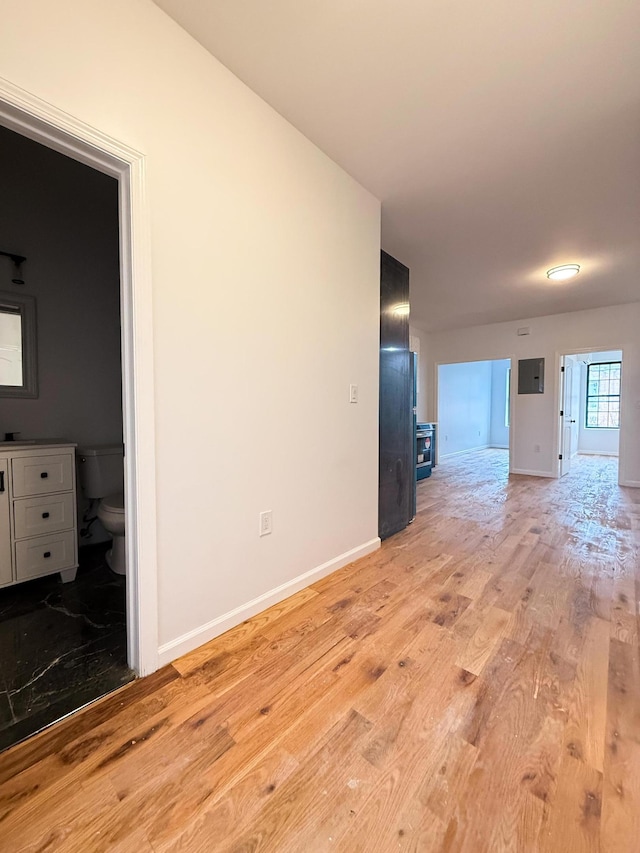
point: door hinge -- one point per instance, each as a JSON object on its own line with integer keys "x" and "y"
{"x": 560, "y": 456}
{"x": 561, "y": 413}
{"x": 562, "y": 369}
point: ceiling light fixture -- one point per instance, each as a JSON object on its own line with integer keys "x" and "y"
{"x": 17, "y": 260}
{"x": 563, "y": 272}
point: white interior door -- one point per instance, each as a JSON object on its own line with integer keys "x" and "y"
{"x": 568, "y": 413}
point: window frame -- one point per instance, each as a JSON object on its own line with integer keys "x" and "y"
{"x": 600, "y": 396}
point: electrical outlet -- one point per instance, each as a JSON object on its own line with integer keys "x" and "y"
{"x": 266, "y": 523}
{"x": 536, "y": 448}
{"x": 353, "y": 393}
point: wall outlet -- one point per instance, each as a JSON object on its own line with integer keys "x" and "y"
{"x": 536, "y": 448}
{"x": 353, "y": 393}
{"x": 266, "y": 523}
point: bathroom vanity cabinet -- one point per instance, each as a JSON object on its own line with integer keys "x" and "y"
{"x": 38, "y": 518}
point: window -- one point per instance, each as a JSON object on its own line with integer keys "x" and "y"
{"x": 603, "y": 395}
{"x": 18, "y": 370}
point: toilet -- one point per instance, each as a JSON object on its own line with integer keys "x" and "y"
{"x": 101, "y": 474}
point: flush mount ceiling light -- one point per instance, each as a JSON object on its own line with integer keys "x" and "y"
{"x": 563, "y": 272}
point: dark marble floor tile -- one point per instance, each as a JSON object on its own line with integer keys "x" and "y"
{"x": 61, "y": 646}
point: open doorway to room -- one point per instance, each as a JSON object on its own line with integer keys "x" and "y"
{"x": 63, "y": 613}
{"x": 474, "y": 411}
{"x": 590, "y": 411}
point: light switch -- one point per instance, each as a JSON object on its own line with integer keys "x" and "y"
{"x": 353, "y": 393}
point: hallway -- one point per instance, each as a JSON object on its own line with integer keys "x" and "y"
{"x": 472, "y": 687}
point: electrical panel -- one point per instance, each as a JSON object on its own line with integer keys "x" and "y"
{"x": 531, "y": 376}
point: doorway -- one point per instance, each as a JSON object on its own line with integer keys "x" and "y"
{"x": 39, "y": 121}
{"x": 590, "y": 407}
{"x": 474, "y": 407}
{"x": 63, "y": 631}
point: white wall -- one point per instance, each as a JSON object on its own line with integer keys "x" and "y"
{"x": 464, "y": 407}
{"x": 535, "y": 416}
{"x": 266, "y": 305}
{"x": 63, "y": 216}
{"x": 498, "y": 429}
{"x": 604, "y": 441}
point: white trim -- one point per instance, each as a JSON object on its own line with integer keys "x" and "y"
{"x": 32, "y": 117}
{"x": 632, "y": 484}
{"x": 533, "y": 473}
{"x": 192, "y": 639}
{"x": 596, "y": 453}
{"x": 462, "y": 452}
{"x": 498, "y": 446}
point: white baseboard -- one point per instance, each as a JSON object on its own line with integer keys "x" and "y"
{"x": 498, "y": 446}
{"x": 198, "y": 636}
{"x": 462, "y": 452}
{"x": 533, "y": 473}
{"x": 597, "y": 453}
{"x": 632, "y": 484}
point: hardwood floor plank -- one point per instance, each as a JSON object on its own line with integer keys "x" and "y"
{"x": 587, "y": 701}
{"x": 621, "y": 789}
{"x": 481, "y": 644}
{"x": 574, "y": 822}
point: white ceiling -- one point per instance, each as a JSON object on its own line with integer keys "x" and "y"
{"x": 501, "y": 136}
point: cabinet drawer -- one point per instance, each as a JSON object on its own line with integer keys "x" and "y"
{"x": 45, "y": 554}
{"x": 42, "y": 475}
{"x": 37, "y": 516}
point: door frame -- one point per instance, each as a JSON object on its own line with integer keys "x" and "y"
{"x": 34, "y": 118}
{"x": 557, "y": 435}
{"x": 436, "y": 398}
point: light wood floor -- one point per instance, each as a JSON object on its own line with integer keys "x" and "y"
{"x": 473, "y": 686}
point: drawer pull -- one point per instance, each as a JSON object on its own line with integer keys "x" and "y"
{"x": 46, "y": 554}
{"x": 1, "y": 481}
{"x": 44, "y": 475}
{"x": 45, "y": 515}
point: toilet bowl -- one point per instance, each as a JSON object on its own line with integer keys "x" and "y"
{"x": 101, "y": 473}
{"x": 111, "y": 514}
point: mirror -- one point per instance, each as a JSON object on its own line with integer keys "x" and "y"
{"x": 18, "y": 368}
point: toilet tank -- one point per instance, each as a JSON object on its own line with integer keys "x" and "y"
{"x": 101, "y": 470}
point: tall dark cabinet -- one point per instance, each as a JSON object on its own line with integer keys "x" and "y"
{"x": 397, "y": 468}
